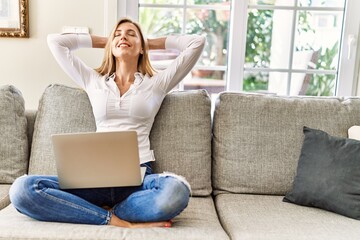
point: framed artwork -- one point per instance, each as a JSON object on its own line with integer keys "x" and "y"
{"x": 14, "y": 18}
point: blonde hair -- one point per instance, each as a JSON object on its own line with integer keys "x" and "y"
{"x": 108, "y": 65}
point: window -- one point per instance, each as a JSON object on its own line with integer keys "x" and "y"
{"x": 286, "y": 47}
{"x": 294, "y": 47}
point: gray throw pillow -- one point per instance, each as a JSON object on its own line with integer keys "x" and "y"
{"x": 62, "y": 109}
{"x": 14, "y": 149}
{"x": 328, "y": 174}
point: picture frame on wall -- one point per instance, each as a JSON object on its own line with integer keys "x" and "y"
{"x": 14, "y": 18}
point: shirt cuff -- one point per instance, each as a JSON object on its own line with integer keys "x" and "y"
{"x": 171, "y": 43}
{"x": 84, "y": 40}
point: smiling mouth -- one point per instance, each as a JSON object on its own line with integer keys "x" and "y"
{"x": 123, "y": 45}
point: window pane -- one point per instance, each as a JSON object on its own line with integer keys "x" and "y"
{"x": 162, "y": 1}
{"x": 317, "y": 40}
{"x": 268, "y": 38}
{"x": 260, "y": 81}
{"x": 322, "y": 3}
{"x": 214, "y": 25}
{"x": 156, "y": 22}
{"x": 209, "y": 80}
{"x": 316, "y": 84}
{"x": 300, "y": 83}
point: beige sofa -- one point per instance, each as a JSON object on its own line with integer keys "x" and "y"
{"x": 241, "y": 161}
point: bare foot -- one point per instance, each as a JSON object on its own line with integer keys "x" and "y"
{"x": 115, "y": 221}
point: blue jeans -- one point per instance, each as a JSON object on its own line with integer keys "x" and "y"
{"x": 159, "y": 198}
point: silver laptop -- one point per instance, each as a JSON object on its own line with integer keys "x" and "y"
{"x": 97, "y": 159}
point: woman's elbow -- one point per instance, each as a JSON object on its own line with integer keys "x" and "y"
{"x": 199, "y": 41}
{"x": 202, "y": 39}
{"x": 52, "y": 38}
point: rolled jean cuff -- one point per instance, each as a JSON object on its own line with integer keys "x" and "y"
{"x": 181, "y": 178}
{"x": 108, "y": 217}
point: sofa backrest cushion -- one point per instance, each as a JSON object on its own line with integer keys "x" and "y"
{"x": 61, "y": 109}
{"x": 181, "y": 138}
{"x": 257, "y": 138}
{"x": 14, "y": 152}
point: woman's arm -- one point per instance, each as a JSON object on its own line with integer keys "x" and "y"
{"x": 62, "y": 47}
{"x": 157, "y": 43}
{"x": 190, "y": 48}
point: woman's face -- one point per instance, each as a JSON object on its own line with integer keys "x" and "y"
{"x": 127, "y": 42}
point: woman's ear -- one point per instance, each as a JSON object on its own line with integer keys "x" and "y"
{"x": 142, "y": 51}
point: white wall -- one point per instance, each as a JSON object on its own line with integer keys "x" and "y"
{"x": 28, "y": 64}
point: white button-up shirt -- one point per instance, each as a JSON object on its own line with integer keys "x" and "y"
{"x": 136, "y": 108}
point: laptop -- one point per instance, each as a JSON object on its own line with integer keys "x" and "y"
{"x": 97, "y": 159}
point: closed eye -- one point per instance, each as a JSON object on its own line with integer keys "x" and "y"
{"x": 130, "y": 32}
{"x": 117, "y": 33}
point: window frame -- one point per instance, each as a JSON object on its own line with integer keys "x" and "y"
{"x": 349, "y": 68}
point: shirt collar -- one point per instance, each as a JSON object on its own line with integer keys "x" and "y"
{"x": 139, "y": 77}
{"x": 112, "y": 77}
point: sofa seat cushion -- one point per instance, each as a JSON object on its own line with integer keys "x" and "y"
{"x": 14, "y": 152}
{"x": 257, "y": 138}
{"x": 4, "y": 195}
{"x": 198, "y": 221}
{"x": 265, "y": 217}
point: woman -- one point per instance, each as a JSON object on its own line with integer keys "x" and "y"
{"x": 125, "y": 94}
